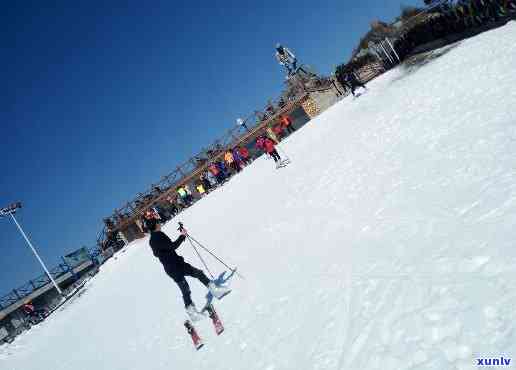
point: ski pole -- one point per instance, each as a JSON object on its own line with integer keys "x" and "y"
{"x": 190, "y": 238}
{"x": 217, "y": 258}
{"x": 181, "y": 228}
{"x": 202, "y": 260}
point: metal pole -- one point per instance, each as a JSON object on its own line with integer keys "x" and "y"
{"x": 392, "y": 47}
{"x": 383, "y": 55}
{"x": 387, "y": 53}
{"x": 202, "y": 260}
{"x": 35, "y": 253}
{"x": 214, "y": 256}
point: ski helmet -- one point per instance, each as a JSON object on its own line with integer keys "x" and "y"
{"x": 151, "y": 223}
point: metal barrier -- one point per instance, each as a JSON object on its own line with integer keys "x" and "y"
{"x": 70, "y": 262}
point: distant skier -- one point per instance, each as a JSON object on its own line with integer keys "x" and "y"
{"x": 353, "y": 83}
{"x": 270, "y": 133}
{"x": 201, "y": 189}
{"x": 184, "y": 196}
{"x": 268, "y": 145}
{"x": 211, "y": 178}
{"x": 278, "y": 131}
{"x": 216, "y": 172}
{"x": 205, "y": 182}
{"x": 224, "y": 170}
{"x": 286, "y": 123}
{"x": 286, "y": 58}
{"x": 176, "y": 267}
{"x": 244, "y": 153}
{"x": 238, "y": 159}
{"x": 34, "y": 315}
{"x": 172, "y": 206}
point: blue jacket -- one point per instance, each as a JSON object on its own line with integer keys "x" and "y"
{"x": 236, "y": 155}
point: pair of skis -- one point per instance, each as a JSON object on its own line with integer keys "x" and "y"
{"x": 223, "y": 278}
{"x": 283, "y": 163}
{"x": 217, "y": 325}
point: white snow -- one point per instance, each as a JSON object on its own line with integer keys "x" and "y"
{"x": 388, "y": 243}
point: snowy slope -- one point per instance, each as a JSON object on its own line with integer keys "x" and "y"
{"x": 388, "y": 243}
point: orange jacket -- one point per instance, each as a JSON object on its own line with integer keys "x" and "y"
{"x": 228, "y": 157}
{"x": 286, "y": 121}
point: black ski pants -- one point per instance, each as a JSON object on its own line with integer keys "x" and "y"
{"x": 274, "y": 154}
{"x": 187, "y": 270}
{"x": 236, "y": 166}
{"x": 220, "y": 177}
{"x": 290, "y": 128}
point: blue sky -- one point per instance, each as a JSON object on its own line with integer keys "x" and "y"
{"x": 102, "y": 100}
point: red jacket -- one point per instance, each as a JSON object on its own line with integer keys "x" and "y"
{"x": 213, "y": 169}
{"x": 260, "y": 142}
{"x": 28, "y": 308}
{"x": 243, "y": 152}
{"x": 278, "y": 130}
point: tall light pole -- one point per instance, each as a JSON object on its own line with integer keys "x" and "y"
{"x": 10, "y": 211}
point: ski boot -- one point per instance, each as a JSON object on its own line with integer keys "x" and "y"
{"x": 193, "y": 313}
{"x": 218, "y": 291}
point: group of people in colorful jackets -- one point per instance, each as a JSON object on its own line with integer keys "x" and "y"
{"x": 218, "y": 172}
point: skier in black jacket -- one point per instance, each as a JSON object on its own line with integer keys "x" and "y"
{"x": 353, "y": 83}
{"x": 176, "y": 267}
